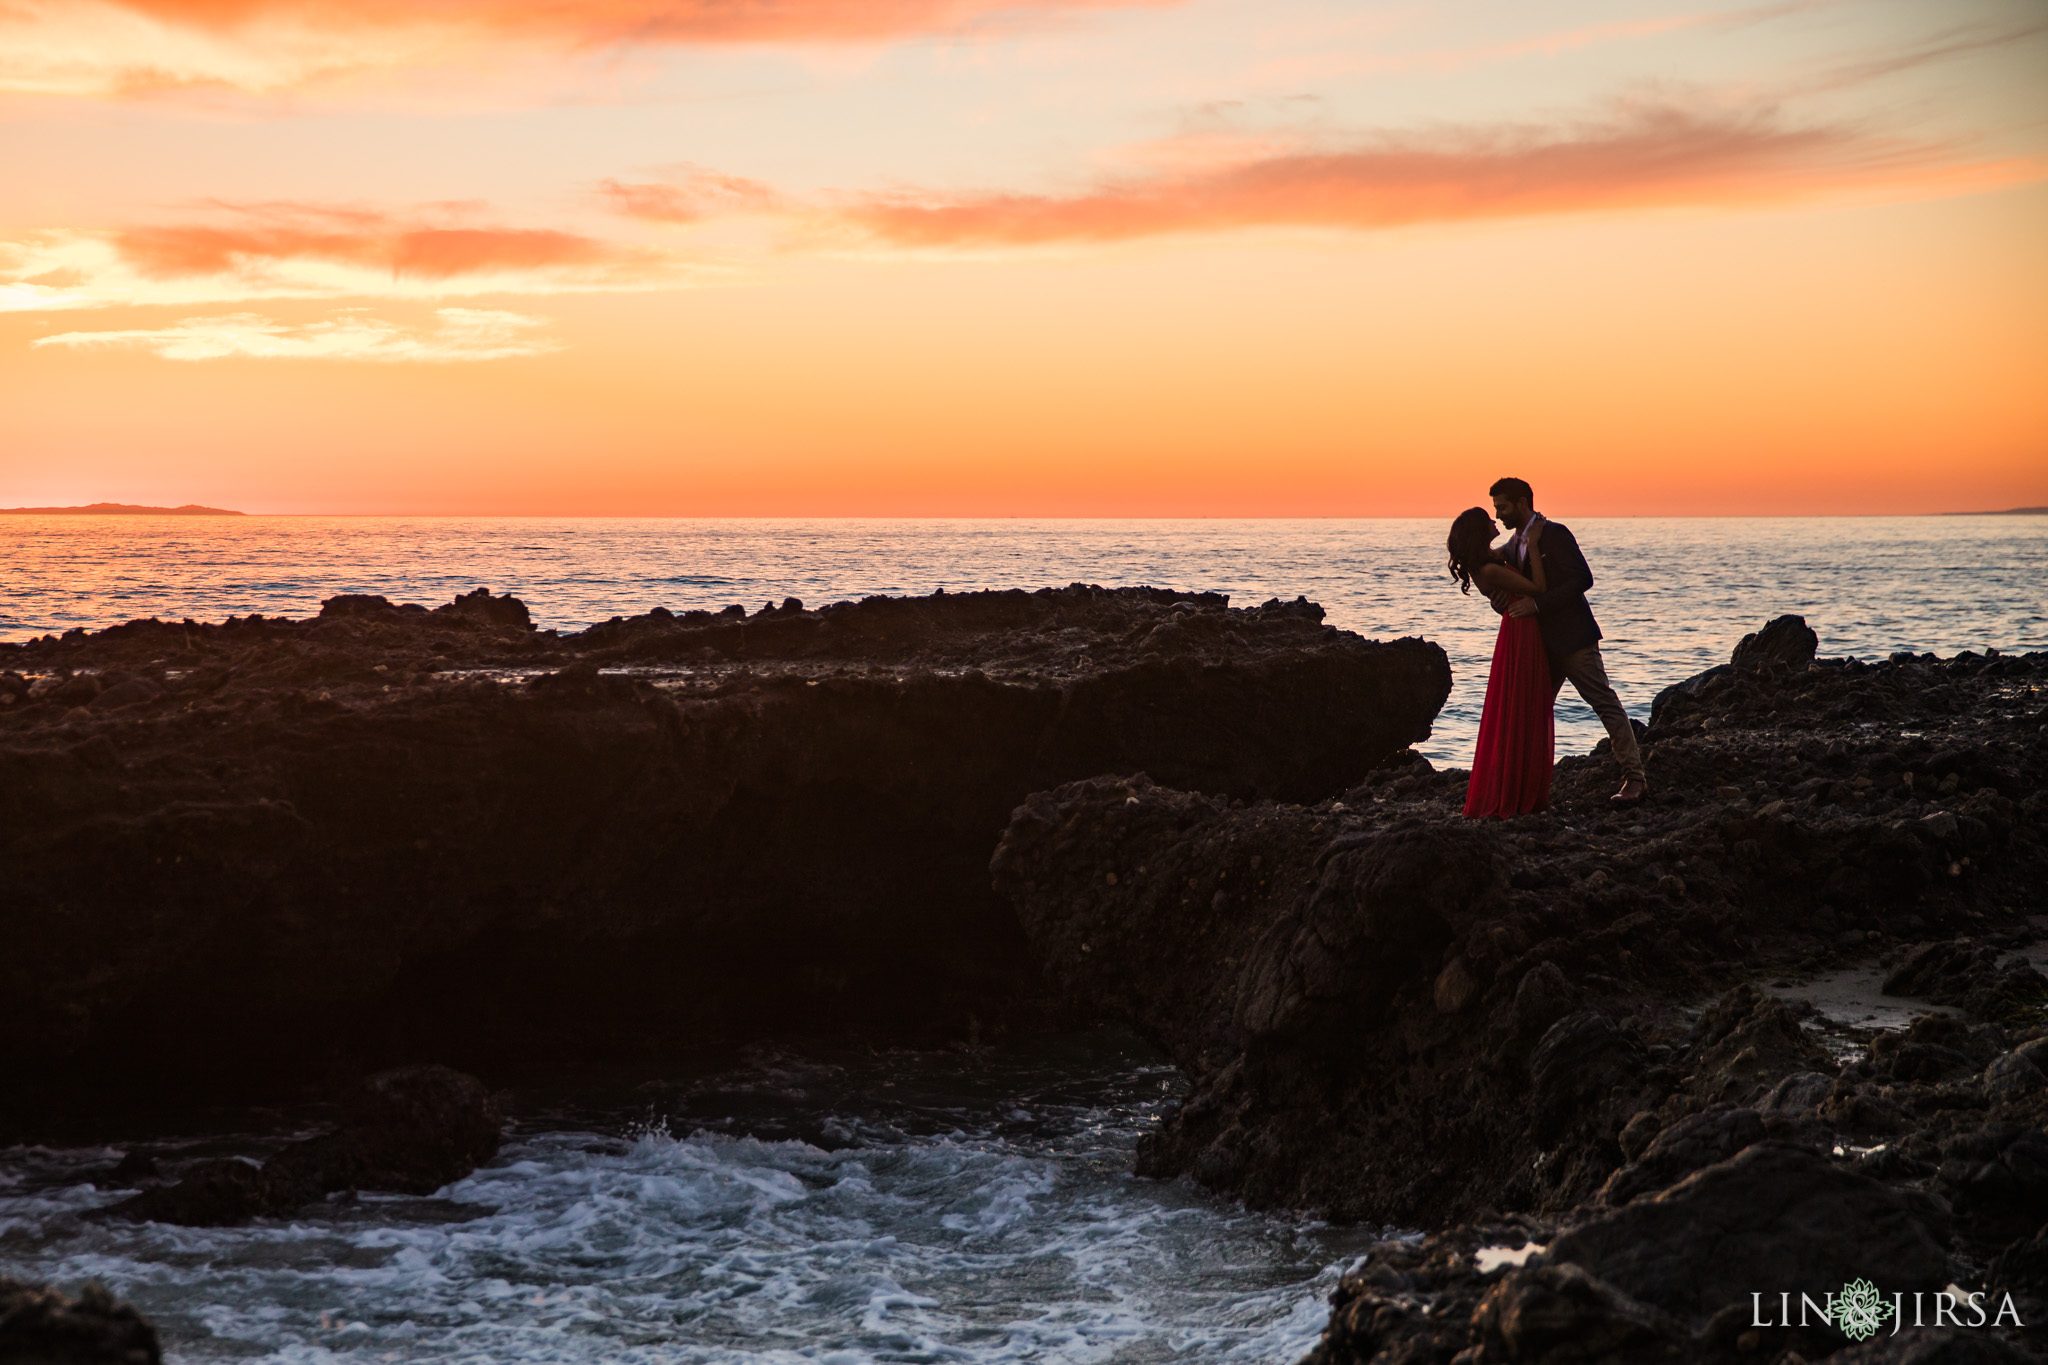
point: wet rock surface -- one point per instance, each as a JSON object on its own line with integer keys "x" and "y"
{"x": 1581, "y": 1030}
{"x": 40, "y": 1326}
{"x": 409, "y": 1130}
{"x": 251, "y": 856}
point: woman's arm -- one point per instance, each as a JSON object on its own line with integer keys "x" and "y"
{"x": 1534, "y": 540}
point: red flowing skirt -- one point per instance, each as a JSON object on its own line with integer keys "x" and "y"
{"x": 1511, "y": 767}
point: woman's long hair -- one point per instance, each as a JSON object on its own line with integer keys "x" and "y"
{"x": 1471, "y": 545}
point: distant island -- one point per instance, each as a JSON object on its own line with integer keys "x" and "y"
{"x": 2008, "y": 512}
{"x": 120, "y": 509}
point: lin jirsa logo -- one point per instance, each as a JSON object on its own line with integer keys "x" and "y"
{"x": 1860, "y": 1310}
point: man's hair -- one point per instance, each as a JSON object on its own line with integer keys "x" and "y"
{"x": 1512, "y": 488}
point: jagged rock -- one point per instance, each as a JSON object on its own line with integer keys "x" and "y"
{"x": 1639, "y": 1132}
{"x": 1788, "y": 840}
{"x": 1998, "y": 1177}
{"x": 480, "y": 606}
{"x": 1696, "y": 1141}
{"x": 1936, "y": 1047}
{"x": 1576, "y": 1063}
{"x": 1775, "y": 1216}
{"x": 1559, "y": 1313}
{"x": 1943, "y": 968}
{"x": 1968, "y": 973}
{"x": 2012, "y": 1076}
{"x": 1426, "y": 1300}
{"x": 1455, "y": 987}
{"x": 1936, "y": 1347}
{"x": 1786, "y": 640}
{"x": 410, "y": 1130}
{"x": 2022, "y": 1269}
{"x": 406, "y": 1131}
{"x": 333, "y": 844}
{"x": 1542, "y": 997}
{"x": 1799, "y": 1093}
{"x": 1688, "y": 687}
{"x": 1862, "y": 1111}
{"x": 1345, "y": 1057}
{"x": 212, "y": 1193}
{"x": 1297, "y": 987}
{"x": 39, "y": 1326}
{"x": 1745, "y": 1044}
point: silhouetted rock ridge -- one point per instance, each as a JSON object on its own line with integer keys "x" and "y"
{"x": 269, "y": 849}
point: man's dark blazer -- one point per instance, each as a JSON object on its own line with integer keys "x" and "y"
{"x": 1561, "y": 611}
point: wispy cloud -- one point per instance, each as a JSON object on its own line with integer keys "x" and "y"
{"x": 689, "y": 194}
{"x": 297, "y": 232}
{"x": 463, "y": 334}
{"x": 1639, "y": 154}
{"x": 294, "y": 250}
{"x": 1960, "y": 41}
{"x": 1642, "y": 154}
{"x": 97, "y": 47}
{"x": 1359, "y": 59}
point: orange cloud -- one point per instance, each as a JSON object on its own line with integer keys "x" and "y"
{"x": 692, "y": 195}
{"x": 352, "y": 237}
{"x": 1642, "y": 156}
{"x": 294, "y": 250}
{"x": 461, "y": 334}
{"x": 608, "y": 21}
{"x": 99, "y": 47}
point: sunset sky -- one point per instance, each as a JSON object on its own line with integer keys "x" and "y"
{"x": 996, "y": 257}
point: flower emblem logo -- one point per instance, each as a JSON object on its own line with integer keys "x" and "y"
{"x": 1860, "y": 1310}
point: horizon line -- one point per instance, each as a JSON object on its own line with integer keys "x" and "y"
{"x": 1005, "y": 516}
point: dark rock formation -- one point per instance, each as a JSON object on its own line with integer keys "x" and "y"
{"x": 39, "y": 1326}
{"x": 1786, "y": 640}
{"x": 2022, "y": 1268}
{"x": 1390, "y": 1013}
{"x": 1973, "y": 975}
{"x": 406, "y": 1131}
{"x": 259, "y": 852}
{"x": 1696, "y": 1273}
{"x": 1696, "y": 1141}
{"x": 1436, "y": 1300}
{"x": 1937, "y": 1347}
{"x": 1773, "y": 1215}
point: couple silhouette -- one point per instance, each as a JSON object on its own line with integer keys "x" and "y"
{"x": 1537, "y": 580}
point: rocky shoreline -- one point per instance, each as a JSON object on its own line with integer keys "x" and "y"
{"x": 260, "y": 857}
{"x": 1495, "y": 1030}
{"x": 1625, "y": 1068}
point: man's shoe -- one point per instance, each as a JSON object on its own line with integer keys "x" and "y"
{"x": 1631, "y": 794}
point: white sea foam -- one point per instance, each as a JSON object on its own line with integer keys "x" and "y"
{"x": 970, "y": 1246}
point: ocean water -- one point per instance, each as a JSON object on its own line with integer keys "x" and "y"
{"x": 970, "y": 1206}
{"x": 1672, "y": 594}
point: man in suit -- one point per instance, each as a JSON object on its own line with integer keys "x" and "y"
{"x": 1571, "y": 637}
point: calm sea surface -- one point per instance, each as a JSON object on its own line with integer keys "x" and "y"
{"x": 1674, "y": 595}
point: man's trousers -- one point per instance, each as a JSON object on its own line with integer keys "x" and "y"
{"x": 1588, "y": 673}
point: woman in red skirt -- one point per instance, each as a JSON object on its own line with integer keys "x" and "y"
{"x": 1511, "y": 766}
